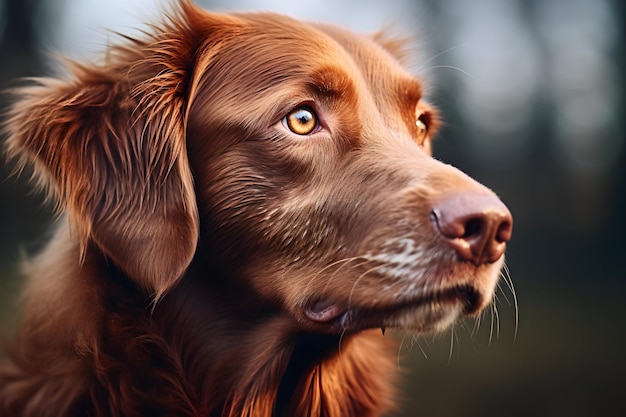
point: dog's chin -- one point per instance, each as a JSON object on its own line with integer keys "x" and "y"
{"x": 427, "y": 313}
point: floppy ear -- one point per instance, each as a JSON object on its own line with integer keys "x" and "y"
{"x": 110, "y": 146}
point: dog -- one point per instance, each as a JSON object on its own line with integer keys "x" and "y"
{"x": 246, "y": 202}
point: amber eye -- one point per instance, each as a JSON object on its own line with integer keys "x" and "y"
{"x": 422, "y": 127}
{"x": 301, "y": 121}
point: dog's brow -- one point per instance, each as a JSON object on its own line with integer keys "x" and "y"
{"x": 332, "y": 82}
{"x": 409, "y": 100}
{"x": 410, "y": 93}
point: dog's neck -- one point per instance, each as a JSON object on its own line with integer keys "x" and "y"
{"x": 303, "y": 372}
{"x": 275, "y": 369}
{"x": 253, "y": 363}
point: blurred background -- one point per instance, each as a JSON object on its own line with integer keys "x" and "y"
{"x": 533, "y": 96}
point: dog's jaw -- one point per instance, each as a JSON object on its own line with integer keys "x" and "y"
{"x": 421, "y": 299}
{"x": 432, "y": 311}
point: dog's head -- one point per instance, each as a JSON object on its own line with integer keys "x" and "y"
{"x": 298, "y": 154}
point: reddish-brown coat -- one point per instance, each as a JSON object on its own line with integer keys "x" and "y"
{"x": 199, "y": 234}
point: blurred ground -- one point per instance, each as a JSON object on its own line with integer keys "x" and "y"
{"x": 538, "y": 118}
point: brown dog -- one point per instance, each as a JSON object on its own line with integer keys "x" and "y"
{"x": 249, "y": 199}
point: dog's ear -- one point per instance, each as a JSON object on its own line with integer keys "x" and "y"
{"x": 110, "y": 146}
{"x": 397, "y": 46}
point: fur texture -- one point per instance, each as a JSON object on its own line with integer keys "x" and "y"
{"x": 210, "y": 261}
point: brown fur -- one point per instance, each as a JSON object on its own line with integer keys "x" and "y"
{"x": 199, "y": 234}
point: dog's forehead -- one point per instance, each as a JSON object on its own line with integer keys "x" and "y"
{"x": 262, "y": 62}
{"x": 364, "y": 49}
{"x": 378, "y": 65}
{"x": 322, "y": 43}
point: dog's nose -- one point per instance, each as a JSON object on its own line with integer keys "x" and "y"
{"x": 476, "y": 226}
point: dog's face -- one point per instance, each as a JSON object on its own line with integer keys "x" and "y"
{"x": 310, "y": 148}
{"x": 297, "y": 154}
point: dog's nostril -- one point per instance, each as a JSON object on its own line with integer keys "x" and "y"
{"x": 476, "y": 226}
{"x": 505, "y": 229}
{"x": 472, "y": 227}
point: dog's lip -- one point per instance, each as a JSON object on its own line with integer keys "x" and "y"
{"x": 324, "y": 311}
{"x": 336, "y": 315}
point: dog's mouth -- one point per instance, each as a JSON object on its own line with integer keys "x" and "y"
{"x": 427, "y": 312}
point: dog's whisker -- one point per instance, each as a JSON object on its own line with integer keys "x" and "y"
{"x": 497, "y": 316}
{"x": 340, "y": 262}
{"x": 506, "y": 276}
{"x": 399, "y": 354}
{"x": 417, "y": 342}
{"x": 465, "y": 326}
{"x": 358, "y": 280}
{"x": 500, "y": 290}
{"x": 332, "y": 276}
{"x": 491, "y": 322}
{"x": 477, "y": 324}
{"x": 432, "y": 58}
{"x": 452, "y": 67}
{"x": 451, "y": 345}
{"x": 341, "y": 338}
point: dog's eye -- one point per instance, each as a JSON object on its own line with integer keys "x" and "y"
{"x": 422, "y": 127}
{"x": 301, "y": 121}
